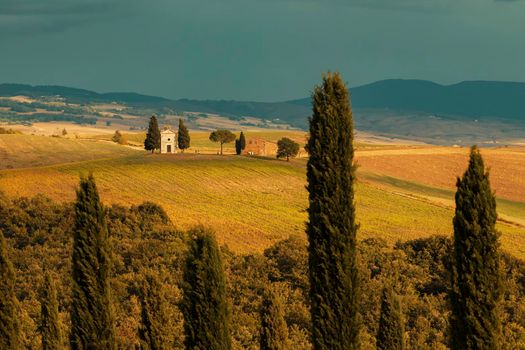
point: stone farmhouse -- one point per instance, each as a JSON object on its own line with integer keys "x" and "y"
{"x": 168, "y": 141}
{"x": 256, "y": 146}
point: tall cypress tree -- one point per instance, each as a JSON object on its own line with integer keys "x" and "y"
{"x": 183, "y": 136}
{"x": 390, "y": 335}
{"x": 152, "y": 141}
{"x": 152, "y": 330}
{"x": 242, "y": 141}
{"x": 274, "y": 332}
{"x": 49, "y": 323}
{"x": 476, "y": 278}
{"x": 238, "y": 149}
{"x": 91, "y": 314}
{"x": 240, "y": 144}
{"x": 9, "y": 327}
{"x": 331, "y": 227}
{"x": 204, "y": 304}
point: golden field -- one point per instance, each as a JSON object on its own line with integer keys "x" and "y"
{"x": 403, "y": 192}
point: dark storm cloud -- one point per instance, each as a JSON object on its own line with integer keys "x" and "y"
{"x": 256, "y": 49}
{"x": 53, "y": 7}
{"x": 41, "y": 16}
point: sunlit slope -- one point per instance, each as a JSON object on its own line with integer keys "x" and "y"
{"x": 20, "y": 151}
{"x": 439, "y": 167}
{"x": 250, "y": 202}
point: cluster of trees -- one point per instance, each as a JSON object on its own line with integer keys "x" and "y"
{"x": 152, "y": 141}
{"x": 287, "y": 148}
{"x": 143, "y": 242}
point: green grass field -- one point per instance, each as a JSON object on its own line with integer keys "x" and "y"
{"x": 250, "y": 202}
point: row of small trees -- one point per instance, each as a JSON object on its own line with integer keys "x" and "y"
{"x": 286, "y": 148}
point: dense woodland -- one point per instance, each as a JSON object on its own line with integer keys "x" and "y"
{"x": 98, "y": 277}
{"x": 38, "y": 233}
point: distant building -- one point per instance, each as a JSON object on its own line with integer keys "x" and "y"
{"x": 168, "y": 141}
{"x": 256, "y": 146}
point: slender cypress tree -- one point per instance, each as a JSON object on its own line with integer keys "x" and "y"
{"x": 242, "y": 141}
{"x": 204, "y": 304}
{"x": 390, "y": 335}
{"x": 274, "y": 332}
{"x": 331, "y": 227}
{"x": 152, "y": 141}
{"x": 152, "y": 330}
{"x": 49, "y": 323}
{"x": 91, "y": 314}
{"x": 9, "y": 327}
{"x": 238, "y": 149}
{"x": 476, "y": 278}
{"x": 183, "y": 136}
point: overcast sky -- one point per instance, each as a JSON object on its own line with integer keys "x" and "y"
{"x": 262, "y": 50}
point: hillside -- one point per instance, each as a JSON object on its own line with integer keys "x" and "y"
{"x": 254, "y": 202}
{"x": 21, "y": 151}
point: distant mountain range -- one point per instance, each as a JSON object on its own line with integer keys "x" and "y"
{"x": 490, "y": 102}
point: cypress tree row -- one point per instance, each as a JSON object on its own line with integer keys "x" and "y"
{"x": 9, "y": 327}
{"x": 152, "y": 141}
{"x": 152, "y": 332}
{"x": 91, "y": 314}
{"x": 49, "y": 323}
{"x": 183, "y": 136}
{"x": 331, "y": 227}
{"x": 204, "y": 303}
{"x": 390, "y": 335}
{"x": 476, "y": 278}
{"x": 274, "y": 332}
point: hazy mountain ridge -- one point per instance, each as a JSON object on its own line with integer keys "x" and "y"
{"x": 470, "y": 111}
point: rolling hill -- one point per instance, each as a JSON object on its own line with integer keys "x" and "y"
{"x": 403, "y": 192}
